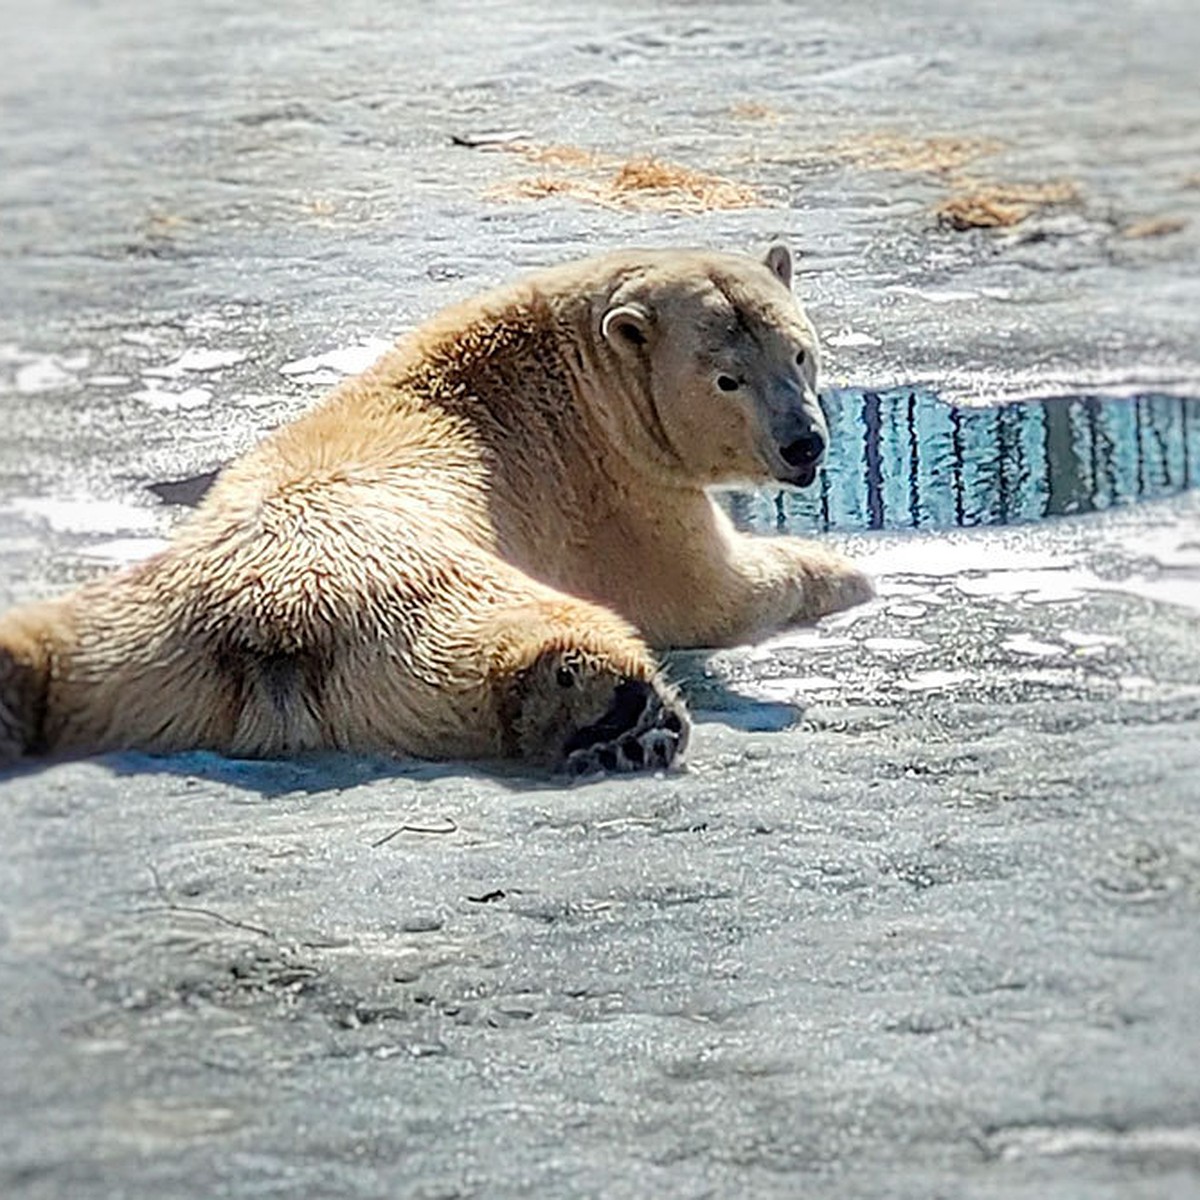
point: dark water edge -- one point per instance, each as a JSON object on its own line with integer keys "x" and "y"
{"x": 903, "y": 459}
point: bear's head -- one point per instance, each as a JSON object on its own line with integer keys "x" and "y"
{"x": 715, "y": 365}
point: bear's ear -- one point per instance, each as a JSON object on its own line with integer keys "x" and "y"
{"x": 626, "y": 325}
{"x": 779, "y": 260}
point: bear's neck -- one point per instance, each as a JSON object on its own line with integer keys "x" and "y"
{"x": 503, "y": 378}
{"x": 520, "y": 377}
{"x": 558, "y": 492}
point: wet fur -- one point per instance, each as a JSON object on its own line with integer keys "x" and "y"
{"x": 513, "y": 494}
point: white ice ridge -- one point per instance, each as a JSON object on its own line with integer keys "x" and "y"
{"x": 33, "y": 372}
{"x": 86, "y": 515}
{"x": 1031, "y": 647}
{"x": 121, "y": 552}
{"x": 333, "y": 364}
{"x": 847, "y": 338}
{"x": 166, "y": 401}
{"x": 196, "y": 360}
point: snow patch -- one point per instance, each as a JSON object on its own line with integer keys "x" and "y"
{"x": 1087, "y": 641}
{"x": 1047, "y": 586}
{"x": 1030, "y": 647}
{"x": 120, "y": 552}
{"x": 928, "y": 681}
{"x": 783, "y": 691}
{"x": 85, "y": 515}
{"x": 196, "y": 360}
{"x": 333, "y": 364}
{"x": 37, "y": 373}
{"x": 162, "y": 400}
{"x": 848, "y": 338}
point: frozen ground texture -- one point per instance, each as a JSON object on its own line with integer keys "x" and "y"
{"x": 922, "y": 917}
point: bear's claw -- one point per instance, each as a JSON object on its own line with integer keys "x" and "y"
{"x": 645, "y": 728}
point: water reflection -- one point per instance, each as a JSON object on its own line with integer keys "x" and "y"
{"x": 902, "y": 459}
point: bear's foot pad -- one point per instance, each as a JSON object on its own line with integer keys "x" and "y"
{"x": 645, "y": 729}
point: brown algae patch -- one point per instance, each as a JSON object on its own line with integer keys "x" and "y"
{"x": 754, "y": 110}
{"x": 977, "y": 205}
{"x": 645, "y": 184}
{"x": 937, "y": 154}
{"x": 564, "y": 156}
{"x": 972, "y": 203}
{"x": 658, "y": 184}
{"x": 1153, "y": 227}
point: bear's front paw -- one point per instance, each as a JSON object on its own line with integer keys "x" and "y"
{"x": 824, "y": 581}
{"x": 852, "y": 587}
{"x": 646, "y": 727}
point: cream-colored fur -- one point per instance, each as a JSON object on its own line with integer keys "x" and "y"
{"x": 467, "y": 550}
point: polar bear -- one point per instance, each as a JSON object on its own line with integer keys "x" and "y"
{"x": 469, "y": 550}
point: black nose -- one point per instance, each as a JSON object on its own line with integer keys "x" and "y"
{"x": 805, "y": 451}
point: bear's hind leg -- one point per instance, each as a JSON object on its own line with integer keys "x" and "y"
{"x": 24, "y": 680}
{"x": 578, "y": 691}
{"x": 102, "y": 669}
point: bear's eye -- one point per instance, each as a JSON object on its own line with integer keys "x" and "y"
{"x": 727, "y": 383}
{"x": 565, "y": 677}
{"x": 800, "y": 356}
